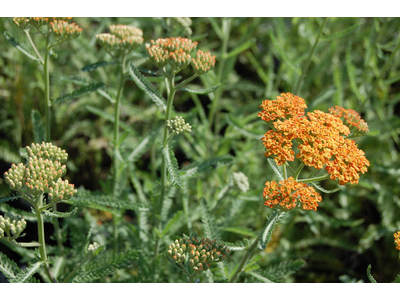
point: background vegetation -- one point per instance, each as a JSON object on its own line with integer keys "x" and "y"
{"x": 355, "y": 65}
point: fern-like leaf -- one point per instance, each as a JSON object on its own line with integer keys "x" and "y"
{"x": 8, "y": 267}
{"x": 103, "y": 202}
{"x": 106, "y": 265}
{"x": 318, "y": 186}
{"x": 171, "y": 222}
{"x": 109, "y": 117}
{"x": 80, "y": 92}
{"x": 146, "y": 86}
{"x": 269, "y": 227}
{"x": 260, "y": 277}
{"x": 210, "y": 229}
{"x": 39, "y": 132}
{"x": 201, "y": 91}
{"x": 172, "y": 166}
{"x": 10, "y": 198}
{"x": 238, "y": 246}
{"x": 59, "y": 214}
{"x": 96, "y": 65}
{"x": 275, "y": 168}
{"x": 370, "y": 277}
{"x": 397, "y": 279}
{"x": 21, "y": 48}
{"x": 200, "y": 168}
{"x": 25, "y": 275}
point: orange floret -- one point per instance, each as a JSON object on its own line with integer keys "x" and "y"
{"x": 397, "y": 239}
{"x": 285, "y": 106}
{"x": 351, "y": 118}
{"x": 285, "y": 195}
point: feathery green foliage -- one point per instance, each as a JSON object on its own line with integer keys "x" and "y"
{"x": 172, "y": 166}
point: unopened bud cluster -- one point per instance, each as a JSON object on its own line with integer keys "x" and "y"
{"x": 176, "y": 53}
{"x": 42, "y": 173}
{"x": 63, "y": 30}
{"x": 197, "y": 254}
{"x": 121, "y": 37}
{"x": 203, "y": 62}
{"x": 11, "y": 226}
{"x": 178, "y": 125}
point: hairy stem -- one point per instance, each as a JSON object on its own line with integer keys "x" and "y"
{"x": 299, "y": 82}
{"x": 171, "y": 93}
{"x": 116, "y": 139}
{"x": 33, "y": 46}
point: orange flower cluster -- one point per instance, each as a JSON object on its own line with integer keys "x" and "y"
{"x": 351, "y": 118}
{"x": 64, "y": 30}
{"x": 321, "y": 138}
{"x": 203, "y": 63}
{"x": 285, "y": 106}
{"x": 397, "y": 239}
{"x": 287, "y": 193}
{"x": 121, "y": 37}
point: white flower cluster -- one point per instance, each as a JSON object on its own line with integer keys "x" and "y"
{"x": 242, "y": 181}
{"x": 178, "y": 125}
{"x": 93, "y": 247}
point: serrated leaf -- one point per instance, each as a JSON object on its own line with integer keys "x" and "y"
{"x": 17, "y": 45}
{"x": 318, "y": 186}
{"x": 143, "y": 146}
{"x": 103, "y": 202}
{"x": 239, "y": 230}
{"x": 260, "y": 277}
{"x": 275, "y": 168}
{"x": 10, "y": 198}
{"x": 80, "y": 92}
{"x": 210, "y": 229}
{"x": 39, "y": 131}
{"x": 370, "y": 277}
{"x": 8, "y": 267}
{"x": 172, "y": 166}
{"x": 196, "y": 169}
{"x": 201, "y": 91}
{"x": 96, "y": 65}
{"x": 146, "y": 86}
{"x": 59, "y": 214}
{"x": 26, "y": 274}
{"x": 268, "y": 228}
{"x": 246, "y": 132}
{"x": 238, "y": 246}
{"x": 342, "y": 33}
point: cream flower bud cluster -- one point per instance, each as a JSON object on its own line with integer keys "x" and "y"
{"x": 178, "y": 125}
{"x": 11, "y": 226}
{"x": 199, "y": 254}
{"x": 93, "y": 247}
{"x": 61, "y": 190}
{"x": 178, "y": 43}
{"x": 42, "y": 173}
{"x": 203, "y": 62}
{"x": 63, "y": 30}
{"x": 121, "y": 37}
{"x": 47, "y": 150}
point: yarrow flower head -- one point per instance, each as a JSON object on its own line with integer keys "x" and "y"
{"x": 121, "y": 38}
{"x": 290, "y": 194}
{"x": 176, "y": 53}
{"x": 64, "y": 30}
{"x": 352, "y": 119}
{"x": 42, "y": 173}
{"x": 321, "y": 141}
{"x": 285, "y": 106}
{"x": 397, "y": 240}
{"x": 198, "y": 254}
{"x": 178, "y": 125}
{"x": 11, "y": 226}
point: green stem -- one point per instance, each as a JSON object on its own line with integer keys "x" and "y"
{"x": 26, "y": 245}
{"x": 327, "y": 176}
{"x": 171, "y": 93}
{"x": 33, "y": 46}
{"x": 298, "y": 170}
{"x": 77, "y": 268}
{"x": 225, "y": 38}
{"x": 299, "y": 82}
{"x": 42, "y": 242}
{"x": 249, "y": 253}
{"x": 47, "y": 89}
{"x": 284, "y": 172}
{"x": 116, "y": 140}
{"x": 186, "y": 81}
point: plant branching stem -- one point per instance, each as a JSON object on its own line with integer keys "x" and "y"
{"x": 314, "y": 179}
{"x": 171, "y": 93}
{"x": 299, "y": 82}
{"x": 249, "y": 253}
{"x": 33, "y": 46}
{"x": 116, "y": 142}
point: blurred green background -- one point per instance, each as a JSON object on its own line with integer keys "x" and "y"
{"x": 355, "y": 65}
